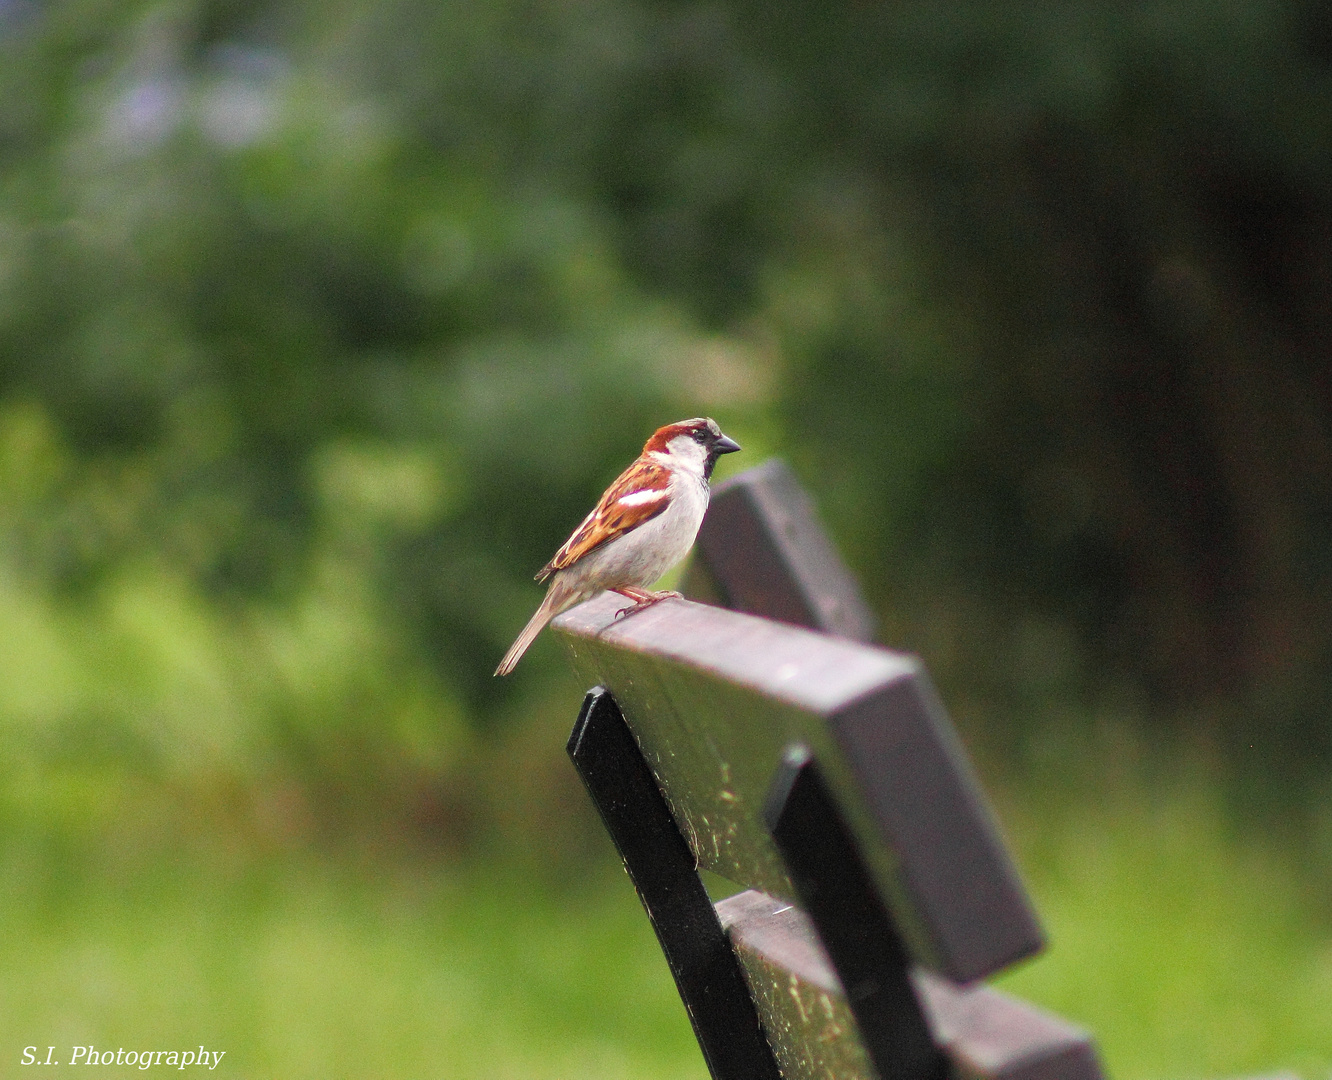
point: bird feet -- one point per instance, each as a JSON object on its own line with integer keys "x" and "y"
{"x": 643, "y": 598}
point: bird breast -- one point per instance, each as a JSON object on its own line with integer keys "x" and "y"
{"x": 642, "y": 555}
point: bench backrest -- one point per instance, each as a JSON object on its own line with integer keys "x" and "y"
{"x": 715, "y": 698}
{"x": 821, "y": 775}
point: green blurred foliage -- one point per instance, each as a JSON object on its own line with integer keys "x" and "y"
{"x": 321, "y": 326}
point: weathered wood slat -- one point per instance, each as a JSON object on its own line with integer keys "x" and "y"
{"x": 761, "y": 549}
{"x": 986, "y": 1035}
{"x": 800, "y": 1002}
{"x": 713, "y": 697}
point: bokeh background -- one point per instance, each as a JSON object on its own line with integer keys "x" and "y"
{"x": 321, "y": 324}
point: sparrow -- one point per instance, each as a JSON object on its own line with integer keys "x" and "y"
{"x": 644, "y": 524}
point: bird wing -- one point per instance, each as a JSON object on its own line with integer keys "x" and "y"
{"x": 638, "y": 495}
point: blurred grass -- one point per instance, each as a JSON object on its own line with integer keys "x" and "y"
{"x": 1190, "y": 947}
{"x": 307, "y": 968}
{"x": 1189, "y": 951}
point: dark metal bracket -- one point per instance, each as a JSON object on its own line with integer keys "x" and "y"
{"x": 855, "y": 929}
{"x": 707, "y": 973}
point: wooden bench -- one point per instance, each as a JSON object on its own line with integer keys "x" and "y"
{"x": 773, "y": 746}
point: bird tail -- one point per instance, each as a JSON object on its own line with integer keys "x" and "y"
{"x": 559, "y": 598}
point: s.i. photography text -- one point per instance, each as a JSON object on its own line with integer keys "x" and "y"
{"x": 139, "y": 1059}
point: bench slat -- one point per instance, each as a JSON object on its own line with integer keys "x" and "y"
{"x": 714, "y": 697}
{"x": 986, "y": 1035}
{"x": 762, "y": 549}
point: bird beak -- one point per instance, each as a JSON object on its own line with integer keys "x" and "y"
{"x": 725, "y": 445}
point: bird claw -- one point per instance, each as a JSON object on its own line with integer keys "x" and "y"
{"x": 646, "y": 602}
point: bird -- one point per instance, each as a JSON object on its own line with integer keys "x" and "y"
{"x": 643, "y": 525}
